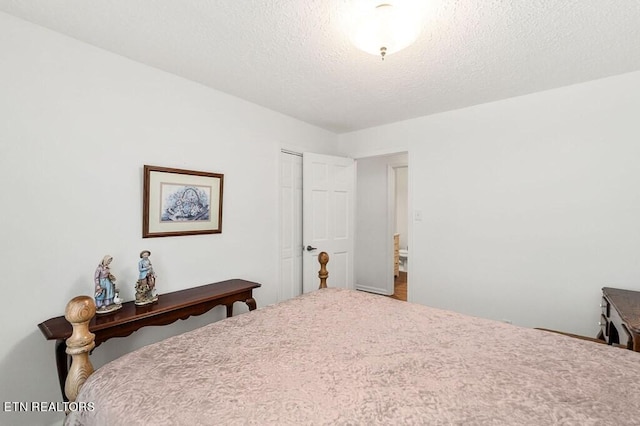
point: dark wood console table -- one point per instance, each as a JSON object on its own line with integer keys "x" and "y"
{"x": 169, "y": 308}
{"x": 620, "y": 318}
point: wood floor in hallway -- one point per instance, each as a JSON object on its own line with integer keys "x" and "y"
{"x": 400, "y": 287}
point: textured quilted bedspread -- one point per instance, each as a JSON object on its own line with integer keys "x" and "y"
{"x": 341, "y": 357}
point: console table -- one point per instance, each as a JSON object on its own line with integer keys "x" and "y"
{"x": 620, "y": 318}
{"x": 169, "y": 308}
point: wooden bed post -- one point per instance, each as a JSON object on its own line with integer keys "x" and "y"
{"x": 79, "y": 312}
{"x": 323, "y": 258}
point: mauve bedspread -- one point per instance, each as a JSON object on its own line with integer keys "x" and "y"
{"x": 341, "y": 357}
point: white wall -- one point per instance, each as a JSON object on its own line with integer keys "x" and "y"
{"x": 78, "y": 124}
{"x": 530, "y": 205}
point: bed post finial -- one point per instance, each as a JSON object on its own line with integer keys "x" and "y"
{"x": 323, "y": 258}
{"x": 79, "y": 312}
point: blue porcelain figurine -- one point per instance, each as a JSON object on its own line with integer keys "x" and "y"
{"x": 146, "y": 285}
{"x": 105, "y": 288}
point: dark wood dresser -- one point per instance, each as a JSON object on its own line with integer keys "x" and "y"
{"x": 620, "y": 318}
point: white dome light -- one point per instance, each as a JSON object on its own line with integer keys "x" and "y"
{"x": 385, "y": 28}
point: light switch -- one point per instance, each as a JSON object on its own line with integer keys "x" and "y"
{"x": 417, "y": 215}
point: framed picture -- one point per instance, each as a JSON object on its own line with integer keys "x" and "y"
{"x": 181, "y": 202}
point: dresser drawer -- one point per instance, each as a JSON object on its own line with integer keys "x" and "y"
{"x": 604, "y": 327}
{"x": 605, "y": 306}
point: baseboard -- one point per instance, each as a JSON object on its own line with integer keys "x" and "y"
{"x": 371, "y": 290}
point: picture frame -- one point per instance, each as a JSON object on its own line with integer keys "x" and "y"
{"x": 180, "y": 202}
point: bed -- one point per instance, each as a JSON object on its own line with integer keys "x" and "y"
{"x": 344, "y": 357}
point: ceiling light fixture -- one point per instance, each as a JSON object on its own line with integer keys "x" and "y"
{"x": 384, "y": 28}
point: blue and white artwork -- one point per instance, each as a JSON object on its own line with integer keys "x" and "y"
{"x": 182, "y": 203}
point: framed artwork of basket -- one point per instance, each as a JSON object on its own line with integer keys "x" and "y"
{"x": 181, "y": 202}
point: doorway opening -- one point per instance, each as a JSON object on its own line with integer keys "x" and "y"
{"x": 382, "y": 224}
{"x": 381, "y": 211}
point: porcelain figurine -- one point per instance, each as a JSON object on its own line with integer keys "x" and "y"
{"x": 146, "y": 285}
{"x": 105, "y": 288}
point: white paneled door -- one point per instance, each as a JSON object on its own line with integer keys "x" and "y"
{"x": 291, "y": 225}
{"x": 328, "y": 204}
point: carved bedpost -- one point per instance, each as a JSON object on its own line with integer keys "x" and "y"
{"x": 323, "y": 258}
{"x": 79, "y": 312}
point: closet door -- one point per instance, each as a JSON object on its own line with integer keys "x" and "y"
{"x": 290, "y": 225}
{"x": 328, "y": 203}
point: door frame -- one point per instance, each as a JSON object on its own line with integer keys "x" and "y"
{"x": 391, "y": 206}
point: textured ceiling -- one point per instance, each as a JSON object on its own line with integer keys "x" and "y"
{"x": 293, "y": 56}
